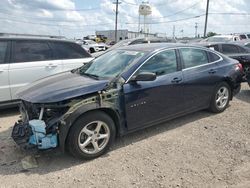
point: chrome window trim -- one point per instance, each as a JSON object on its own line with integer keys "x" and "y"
{"x": 199, "y": 48}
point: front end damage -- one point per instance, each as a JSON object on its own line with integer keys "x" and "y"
{"x": 38, "y": 126}
{"x": 45, "y": 126}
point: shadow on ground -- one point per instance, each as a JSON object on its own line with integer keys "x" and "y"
{"x": 4, "y": 113}
{"x": 244, "y": 95}
{"x": 52, "y": 161}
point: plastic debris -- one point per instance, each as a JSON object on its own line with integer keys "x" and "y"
{"x": 29, "y": 162}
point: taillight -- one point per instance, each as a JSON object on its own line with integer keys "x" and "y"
{"x": 239, "y": 67}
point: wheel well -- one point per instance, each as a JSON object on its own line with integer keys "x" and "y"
{"x": 111, "y": 113}
{"x": 230, "y": 83}
{"x": 91, "y": 49}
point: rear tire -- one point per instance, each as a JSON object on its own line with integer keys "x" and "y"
{"x": 91, "y": 135}
{"x": 220, "y": 98}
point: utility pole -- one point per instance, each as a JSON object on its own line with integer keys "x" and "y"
{"x": 205, "y": 28}
{"x": 173, "y": 31}
{"x": 196, "y": 27}
{"x": 116, "y": 17}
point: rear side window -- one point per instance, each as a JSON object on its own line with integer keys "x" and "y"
{"x": 243, "y": 50}
{"x": 27, "y": 51}
{"x": 229, "y": 49}
{"x": 162, "y": 63}
{"x": 68, "y": 51}
{"x": 213, "y": 57}
{"x": 193, "y": 57}
{"x": 3, "y": 51}
{"x": 243, "y": 37}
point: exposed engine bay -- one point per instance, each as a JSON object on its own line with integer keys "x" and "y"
{"x": 38, "y": 126}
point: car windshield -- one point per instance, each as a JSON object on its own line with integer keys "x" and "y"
{"x": 218, "y": 39}
{"x": 110, "y": 64}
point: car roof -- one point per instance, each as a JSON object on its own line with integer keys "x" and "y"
{"x": 149, "y": 47}
{"x": 34, "y": 38}
{"x": 217, "y": 43}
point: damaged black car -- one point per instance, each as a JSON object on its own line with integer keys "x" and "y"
{"x": 82, "y": 111}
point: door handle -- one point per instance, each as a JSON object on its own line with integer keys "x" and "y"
{"x": 212, "y": 71}
{"x": 176, "y": 80}
{"x": 1, "y": 70}
{"x": 51, "y": 66}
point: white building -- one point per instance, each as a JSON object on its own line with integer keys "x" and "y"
{"x": 122, "y": 34}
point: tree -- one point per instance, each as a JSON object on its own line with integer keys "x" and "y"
{"x": 210, "y": 34}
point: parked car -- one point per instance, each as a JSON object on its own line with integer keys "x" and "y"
{"x": 141, "y": 40}
{"x": 225, "y": 38}
{"x": 124, "y": 90}
{"x": 25, "y": 59}
{"x": 92, "y": 46}
{"x": 235, "y": 51}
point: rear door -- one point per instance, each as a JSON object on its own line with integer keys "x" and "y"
{"x": 148, "y": 102}
{"x": 71, "y": 54}
{"x": 30, "y": 61}
{"x": 4, "y": 72}
{"x": 200, "y": 77}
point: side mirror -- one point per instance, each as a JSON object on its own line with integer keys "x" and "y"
{"x": 144, "y": 76}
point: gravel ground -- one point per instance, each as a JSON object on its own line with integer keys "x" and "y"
{"x": 198, "y": 150}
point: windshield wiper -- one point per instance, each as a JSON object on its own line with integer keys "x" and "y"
{"x": 90, "y": 75}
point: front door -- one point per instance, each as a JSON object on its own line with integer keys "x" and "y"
{"x": 148, "y": 102}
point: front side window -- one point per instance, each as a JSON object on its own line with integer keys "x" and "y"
{"x": 193, "y": 57}
{"x": 229, "y": 49}
{"x": 3, "y": 50}
{"x": 162, "y": 63}
{"x": 27, "y": 51}
{"x": 110, "y": 64}
{"x": 68, "y": 51}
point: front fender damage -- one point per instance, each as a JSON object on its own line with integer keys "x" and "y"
{"x": 55, "y": 126}
{"x": 100, "y": 101}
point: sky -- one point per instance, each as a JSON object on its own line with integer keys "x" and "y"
{"x": 79, "y": 18}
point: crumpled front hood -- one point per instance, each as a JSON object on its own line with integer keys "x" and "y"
{"x": 60, "y": 87}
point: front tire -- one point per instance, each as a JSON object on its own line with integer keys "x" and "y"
{"x": 91, "y": 135}
{"x": 220, "y": 98}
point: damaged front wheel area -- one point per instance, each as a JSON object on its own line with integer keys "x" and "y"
{"x": 91, "y": 135}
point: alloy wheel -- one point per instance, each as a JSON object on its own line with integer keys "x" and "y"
{"x": 94, "y": 137}
{"x": 222, "y": 97}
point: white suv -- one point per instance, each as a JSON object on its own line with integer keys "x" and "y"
{"x": 24, "y": 60}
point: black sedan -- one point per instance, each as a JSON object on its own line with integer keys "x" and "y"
{"x": 236, "y": 51}
{"x": 124, "y": 90}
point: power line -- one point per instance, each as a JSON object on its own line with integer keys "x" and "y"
{"x": 172, "y": 21}
{"x": 133, "y": 4}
